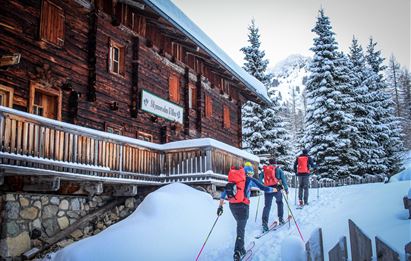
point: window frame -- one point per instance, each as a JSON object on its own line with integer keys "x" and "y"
{"x": 171, "y": 94}
{"x": 121, "y": 58}
{"x": 10, "y": 97}
{"x": 192, "y": 96}
{"x": 43, "y": 22}
{"x": 145, "y": 135}
{"x": 34, "y": 87}
{"x": 113, "y": 126}
{"x": 226, "y": 117}
{"x": 208, "y": 111}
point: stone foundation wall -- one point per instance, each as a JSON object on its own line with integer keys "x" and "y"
{"x": 28, "y": 219}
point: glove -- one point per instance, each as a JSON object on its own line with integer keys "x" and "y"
{"x": 220, "y": 211}
{"x": 280, "y": 186}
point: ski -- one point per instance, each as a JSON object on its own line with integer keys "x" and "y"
{"x": 274, "y": 227}
{"x": 271, "y": 228}
{"x": 248, "y": 256}
{"x": 248, "y": 253}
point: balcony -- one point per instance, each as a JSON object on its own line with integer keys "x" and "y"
{"x": 31, "y": 145}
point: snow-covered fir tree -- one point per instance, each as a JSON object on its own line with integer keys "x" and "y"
{"x": 328, "y": 131}
{"x": 263, "y": 130}
{"x": 392, "y": 76}
{"x": 370, "y": 152}
{"x": 405, "y": 86}
{"x": 390, "y": 126}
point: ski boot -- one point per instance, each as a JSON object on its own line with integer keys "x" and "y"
{"x": 281, "y": 221}
{"x": 265, "y": 228}
{"x": 237, "y": 256}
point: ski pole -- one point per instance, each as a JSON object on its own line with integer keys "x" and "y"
{"x": 207, "y": 238}
{"x": 289, "y": 223}
{"x": 295, "y": 189}
{"x": 258, "y": 203}
{"x": 289, "y": 209}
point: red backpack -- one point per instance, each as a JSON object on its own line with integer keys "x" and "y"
{"x": 269, "y": 176}
{"x": 302, "y": 162}
{"x": 238, "y": 178}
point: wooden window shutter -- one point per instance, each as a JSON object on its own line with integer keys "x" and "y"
{"x": 174, "y": 88}
{"x": 226, "y": 117}
{"x": 192, "y": 92}
{"x": 208, "y": 106}
{"x": 52, "y": 23}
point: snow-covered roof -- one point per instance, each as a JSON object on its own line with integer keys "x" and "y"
{"x": 175, "y": 16}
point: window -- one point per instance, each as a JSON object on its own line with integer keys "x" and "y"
{"x": 174, "y": 88}
{"x": 45, "y": 101}
{"x": 226, "y": 117}
{"x": 144, "y": 136}
{"x": 208, "y": 106}
{"x": 52, "y": 23}
{"x": 6, "y": 96}
{"x": 116, "y": 58}
{"x": 177, "y": 51}
{"x": 192, "y": 96}
{"x": 113, "y": 128}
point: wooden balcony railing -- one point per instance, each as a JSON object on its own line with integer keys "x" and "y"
{"x": 34, "y": 145}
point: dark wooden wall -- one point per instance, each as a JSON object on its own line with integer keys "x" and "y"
{"x": 88, "y": 30}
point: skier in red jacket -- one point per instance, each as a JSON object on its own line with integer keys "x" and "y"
{"x": 302, "y": 166}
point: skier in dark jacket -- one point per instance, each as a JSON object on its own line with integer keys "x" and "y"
{"x": 273, "y": 176}
{"x": 239, "y": 204}
{"x": 302, "y": 166}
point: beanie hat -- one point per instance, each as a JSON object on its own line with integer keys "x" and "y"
{"x": 248, "y": 164}
{"x": 305, "y": 151}
{"x": 248, "y": 169}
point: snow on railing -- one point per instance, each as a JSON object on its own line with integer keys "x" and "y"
{"x": 40, "y": 143}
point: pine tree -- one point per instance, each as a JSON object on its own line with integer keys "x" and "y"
{"x": 263, "y": 128}
{"x": 393, "y": 73}
{"x": 390, "y": 126}
{"x": 370, "y": 152}
{"x": 405, "y": 100}
{"x": 328, "y": 119}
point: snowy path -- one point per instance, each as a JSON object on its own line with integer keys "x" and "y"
{"x": 173, "y": 222}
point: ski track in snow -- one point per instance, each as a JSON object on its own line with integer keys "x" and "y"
{"x": 308, "y": 218}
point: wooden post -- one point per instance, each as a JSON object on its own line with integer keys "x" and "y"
{"x": 186, "y": 91}
{"x": 135, "y": 73}
{"x": 314, "y": 246}
{"x": 361, "y": 249}
{"x": 339, "y": 251}
{"x": 208, "y": 163}
{"x": 384, "y": 252}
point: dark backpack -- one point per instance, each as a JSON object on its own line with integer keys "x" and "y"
{"x": 231, "y": 190}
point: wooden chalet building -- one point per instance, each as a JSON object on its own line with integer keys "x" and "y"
{"x": 139, "y": 69}
{"x": 108, "y": 95}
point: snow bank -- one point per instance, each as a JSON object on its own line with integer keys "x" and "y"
{"x": 406, "y": 173}
{"x": 167, "y": 225}
{"x": 293, "y": 249}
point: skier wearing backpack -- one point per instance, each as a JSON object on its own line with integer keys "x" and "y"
{"x": 302, "y": 166}
{"x": 273, "y": 176}
{"x": 237, "y": 192}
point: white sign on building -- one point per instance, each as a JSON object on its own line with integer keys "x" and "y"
{"x": 160, "y": 107}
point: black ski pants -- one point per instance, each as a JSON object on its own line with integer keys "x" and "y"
{"x": 268, "y": 198}
{"x": 240, "y": 212}
{"x": 303, "y": 187}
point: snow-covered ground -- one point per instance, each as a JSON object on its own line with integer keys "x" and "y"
{"x": 173, "y": 222}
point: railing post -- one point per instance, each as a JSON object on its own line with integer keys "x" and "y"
{"x": 120, "y": 165}
{"x": 1, "y": 129}
{"x": 208, "y": 163}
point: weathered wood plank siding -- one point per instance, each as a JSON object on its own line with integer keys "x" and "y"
{"x": 73, "y": 66}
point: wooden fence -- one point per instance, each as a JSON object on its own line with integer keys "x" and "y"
{"x": 361, "y": 247}
{"x": 292, "y": 181}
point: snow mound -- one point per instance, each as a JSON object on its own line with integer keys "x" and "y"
{"x": 167, "y": 225}
{"x": 293, "y": 249}
{"x": 406, "y": 173}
